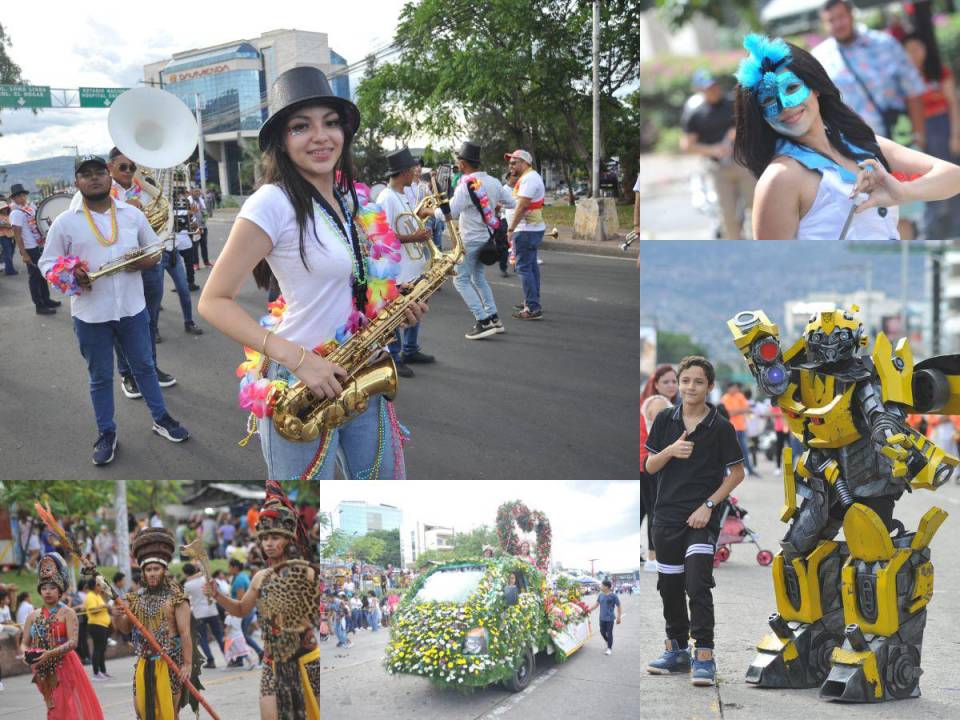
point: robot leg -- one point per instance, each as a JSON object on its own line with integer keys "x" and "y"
{"x": 887, "y": 583}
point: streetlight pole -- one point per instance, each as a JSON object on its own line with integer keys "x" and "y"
{"x": 596, "y": 100}
{"x": 123, "y": 530}
{"x": 202, "y": 153}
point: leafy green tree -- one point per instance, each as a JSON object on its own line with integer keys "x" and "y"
{"x": 335, "y": 545}
{"x": 680, "y": 12}
{"x": 368, "y": 549}
{"x": 391, "y": 549}
{"x": 64, "y": 496}
{"x": 673, "y": 347}
{"x": 9, "y": 73}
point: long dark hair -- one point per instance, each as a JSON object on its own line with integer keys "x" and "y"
{"x": 755, "y": 145}
{"x": 278, "y": 169}
{"x": 932, "y": 66}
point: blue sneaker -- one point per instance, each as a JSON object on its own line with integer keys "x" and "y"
{"x": 704, "y": 667}
{"x": 673, "y": 660}
{"x": 105, "y": 447}
{"x": 170, "y": 429}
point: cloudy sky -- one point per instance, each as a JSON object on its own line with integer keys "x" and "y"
{"x": 71, "y": 45}
{"x": 590, "y": 518}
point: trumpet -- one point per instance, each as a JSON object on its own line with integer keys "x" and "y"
{"x": 552, "y": 234}
{"x": 122, "y": 263}
{"x": 629, "y": 240}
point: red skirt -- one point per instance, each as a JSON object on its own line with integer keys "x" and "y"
{"x": 73, "y": 698}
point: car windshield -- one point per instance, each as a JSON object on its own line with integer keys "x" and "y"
{"x": 452, "y": 585}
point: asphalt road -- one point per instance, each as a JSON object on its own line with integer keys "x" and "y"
{"x": 353, "y": 683}
{"x": 548, "y": 399}
{"x": 743, "y": 600}
{"x": 233, "y": 694}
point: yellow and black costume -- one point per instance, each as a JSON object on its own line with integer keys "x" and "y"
{"x": 851, "y": 613}
{"x": 288, "y": 605}
{"x": 155, "y": 685}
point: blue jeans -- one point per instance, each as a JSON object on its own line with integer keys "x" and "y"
{"x": 212, "y": 622}
{"x": 245, "y": 629}
{"x": 367, "y": 447}
{"x": 437, "y": 226}
{"x": 745, "y": 449}
{"x": 355, "y": 616}
{"x": 152, "y": 294}
{"x": 372, "y": 620}
{"x": 526, "y": 243}
{"x": 173, "y": 264}
{"x": 96, "y": 346}
{"x": 6, "y": 245}
{"x": 341, "y": 633}
{"x": 407, "y": 346}
{"x": 471, "y": 283}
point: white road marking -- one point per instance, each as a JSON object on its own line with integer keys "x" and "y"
{"x": 518, "y": 698}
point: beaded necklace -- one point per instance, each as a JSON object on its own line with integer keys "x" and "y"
{"x": 351, "y": 242}
{"x": 96, "y": 231}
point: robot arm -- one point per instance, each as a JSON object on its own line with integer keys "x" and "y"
{"x": 758, "y": 340}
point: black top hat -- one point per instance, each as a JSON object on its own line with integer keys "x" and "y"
{"x": 470, "y": 152}
{"x": 17, "y": 189}
{"x": 88, "y": 160}
{"x": 400, "y": 160}
{"x": 300, "y": 85}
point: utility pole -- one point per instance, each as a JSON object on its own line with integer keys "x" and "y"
{"x": 202, "y": 154}
{"x": 123, "y": 530}
{"x": 596, "y": 100}
{"x": 592, "y": 561}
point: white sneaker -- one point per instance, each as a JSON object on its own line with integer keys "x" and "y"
{"x": 608, "y": 652}
{"x": 650, "y": 566}
{"x": 1, "y": 685}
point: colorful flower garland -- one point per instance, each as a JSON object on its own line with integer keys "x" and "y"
{"x": 515, "y": 513}
{"x": 63, "y": 274}
{"x": 258, "y": 394}
{"x": 426, "y": 638}
{"x": 473, "y": 184}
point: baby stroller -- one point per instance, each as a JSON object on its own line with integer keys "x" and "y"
{"x": 733, "y": 530}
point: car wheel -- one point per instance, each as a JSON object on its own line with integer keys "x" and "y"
{"x": 522, "y": 675}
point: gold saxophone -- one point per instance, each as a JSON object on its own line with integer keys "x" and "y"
{"x": 300, "y": 416}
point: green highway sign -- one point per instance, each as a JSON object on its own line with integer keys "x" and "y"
{"x": 99, "y": 97}
{"x": 25, "y": 96}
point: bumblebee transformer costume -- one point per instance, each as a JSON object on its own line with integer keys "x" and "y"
{"x": 850, "y": 614}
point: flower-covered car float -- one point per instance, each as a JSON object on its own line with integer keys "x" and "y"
{"x": 465, "y": 624}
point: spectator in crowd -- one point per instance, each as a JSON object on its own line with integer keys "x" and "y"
{"x": 239, "y": 585}
{"x": 204, "y": 610}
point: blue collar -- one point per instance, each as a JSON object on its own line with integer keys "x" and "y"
{"x": 813, "y": 160}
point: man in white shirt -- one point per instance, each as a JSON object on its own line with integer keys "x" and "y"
{"x": 198, "y": 212}
{"x": 476, "y": 224}
{"x": 26, "y": 234}
{"x": 526, "y": 231}
{"x": 98, "y": 231}
{"x": 204, "y": 610}
{"x": 402, "y": 171}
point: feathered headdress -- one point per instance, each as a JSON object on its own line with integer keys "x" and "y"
{"x": 767, "y": 57}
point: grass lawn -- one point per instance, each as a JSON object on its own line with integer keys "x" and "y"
{"x": 26, "y": 580}
{"x": 563, "y": 214}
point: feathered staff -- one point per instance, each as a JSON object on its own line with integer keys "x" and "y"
{"x": 90, "y": 569}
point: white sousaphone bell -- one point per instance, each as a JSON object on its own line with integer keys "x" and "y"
{"x": 152, "y": 127}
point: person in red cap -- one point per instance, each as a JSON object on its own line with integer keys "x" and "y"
{"x": 526, "y": 231}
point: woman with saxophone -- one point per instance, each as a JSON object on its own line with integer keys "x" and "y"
{"x": 300, "y": 227}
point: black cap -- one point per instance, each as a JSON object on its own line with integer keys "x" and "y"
{"x": 470, "y": 152}
{"x": 301, "y": 85}
{"x": 87, "y": 160}
{"x": 400, "y": 160}
{"x": 17, "y": 189}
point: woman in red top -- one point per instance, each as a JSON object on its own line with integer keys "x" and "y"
{"x": 49, "y": 641}
{"x": 941, "y": 114}
{"x": 662, "y": 382}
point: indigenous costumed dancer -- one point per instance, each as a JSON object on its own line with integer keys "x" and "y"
{"x": 287, "y": 597}
{"x": 161, "y": 606}
{"x": 302, "y": 229}
{"x": 823, "y": 173}
{"x": 49, "y": 641}
{"x": 850, "y": 614}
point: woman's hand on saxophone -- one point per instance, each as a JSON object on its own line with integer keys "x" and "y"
{"x": 321, "y": 375}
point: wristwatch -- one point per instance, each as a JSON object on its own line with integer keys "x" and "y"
{"x": 710, "y": 504}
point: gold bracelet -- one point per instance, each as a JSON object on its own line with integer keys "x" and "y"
{"x": 303, "y": 356}
{"x": 263, "y": 346}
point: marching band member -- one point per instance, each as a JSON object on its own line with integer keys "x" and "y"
{"x": 97, "y": 231}
{"x": 475, "y": 202}
{"x": 29, "y": 242}
{"x": 526, "y": 231}
{"x": 298, "y": 228}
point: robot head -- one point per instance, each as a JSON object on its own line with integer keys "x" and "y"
{"x": 833, "y": 335}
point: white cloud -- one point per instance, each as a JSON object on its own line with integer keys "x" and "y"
{"x": 81, "y": 46}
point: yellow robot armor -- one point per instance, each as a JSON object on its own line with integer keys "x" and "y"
{"x": 832, "y": 336}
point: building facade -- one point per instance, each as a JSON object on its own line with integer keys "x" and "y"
{"x": 359, "y": 518}
{"x": 231, "y": 82}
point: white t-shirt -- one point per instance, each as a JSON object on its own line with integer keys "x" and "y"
{"x": 413, "y": 256}
{"x": 319, "y": 300}
{"x": 472, "y": 227}
{"x": 113, "y": 297}
{"x": 25, "y": 609}
{"x": 25, "y": 218}
{"x": 636, "y": 187}
{"x": 200, "y": 604}
{"x": 5, "y": 614}
{"x": 530, "y": 185}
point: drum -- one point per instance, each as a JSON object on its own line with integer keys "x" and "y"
{"x": 49, "y": 208}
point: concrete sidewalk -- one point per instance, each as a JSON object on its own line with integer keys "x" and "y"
{"x": 663, "y": 174}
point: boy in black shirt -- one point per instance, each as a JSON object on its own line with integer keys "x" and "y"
{"x": 699, "y": 461}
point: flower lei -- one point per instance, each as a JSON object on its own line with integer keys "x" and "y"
{"x": 476, "y": 188}
{"x": 62, "y": 275}
{"x": 257, "y": 394}
{"x": 515, "y": 513}
{"x": 426, "y": 638}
